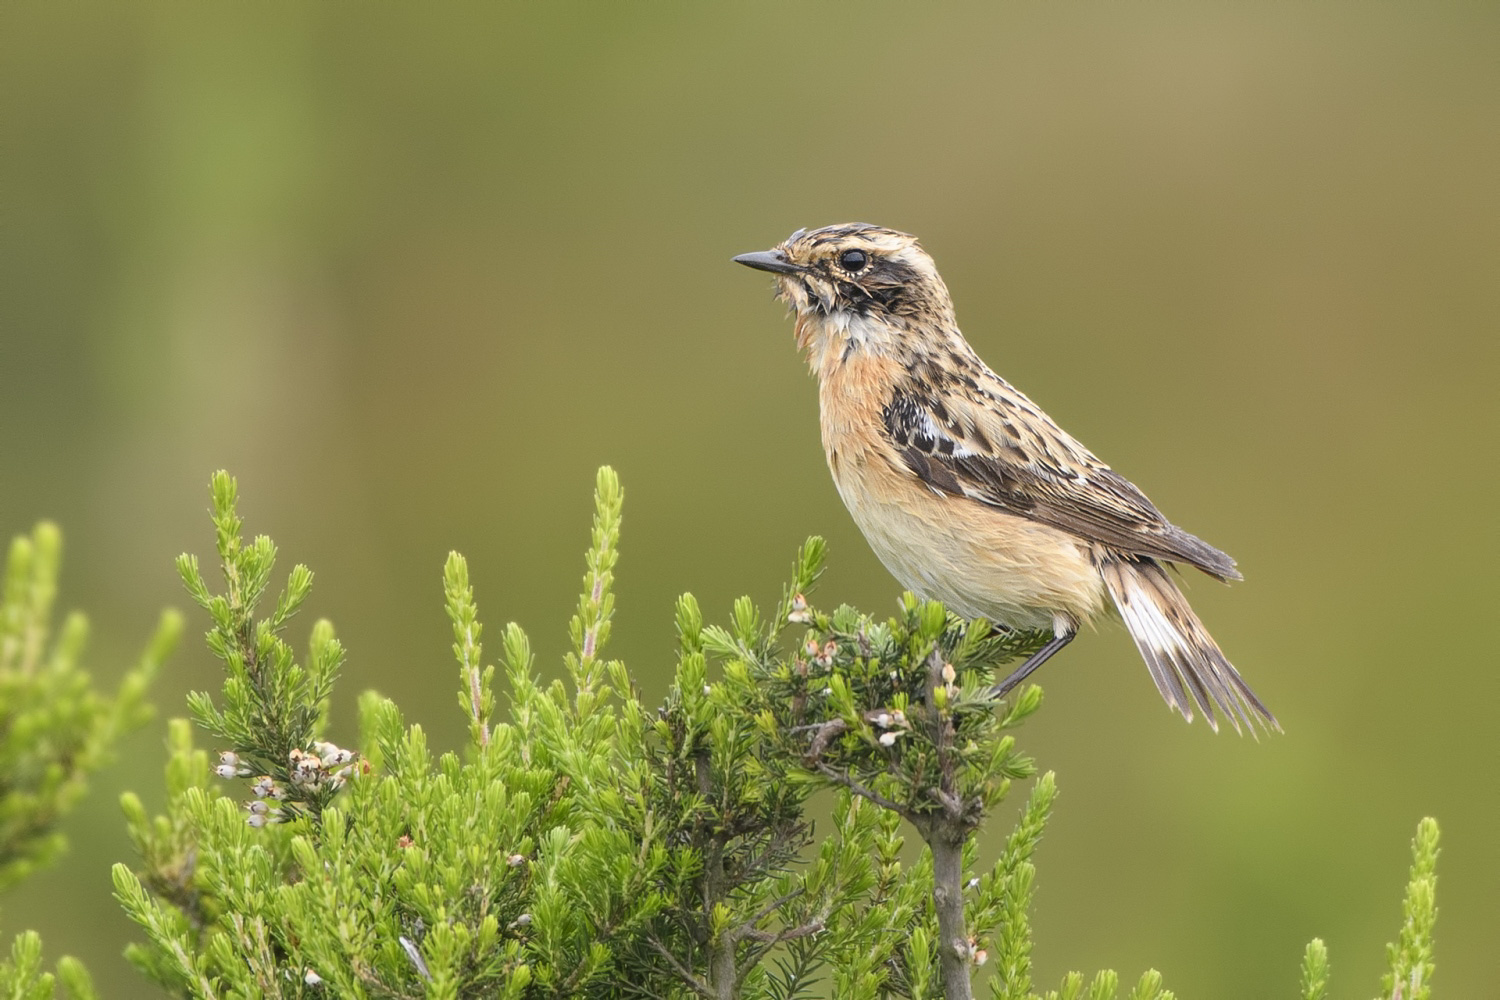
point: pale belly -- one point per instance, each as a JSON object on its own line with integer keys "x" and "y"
{"x": 978, "y": 561}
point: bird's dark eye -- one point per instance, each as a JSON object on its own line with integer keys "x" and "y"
{"x": 853, "y": 260}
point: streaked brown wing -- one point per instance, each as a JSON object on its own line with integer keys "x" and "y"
{"x": 1001, "y": 450}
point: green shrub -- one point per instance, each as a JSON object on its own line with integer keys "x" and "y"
{"x": 56, "y": 729}
{"x": 587, "y": 844}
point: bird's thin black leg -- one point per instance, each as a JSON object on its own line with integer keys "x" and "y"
{"x": 1033, "y": 661}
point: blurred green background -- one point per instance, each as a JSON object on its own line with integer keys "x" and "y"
{"x": 413, "y": 274}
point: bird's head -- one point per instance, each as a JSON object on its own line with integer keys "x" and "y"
{"x": 855, "y": 278}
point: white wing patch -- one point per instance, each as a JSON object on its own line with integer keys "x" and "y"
{"x": 930, "y": 427}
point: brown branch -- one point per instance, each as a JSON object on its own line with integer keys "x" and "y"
{"x": 788, "y": 934}
{"x": 826, "y": 734}
{"x": 697, "y": 985}
{"x": 748, "y": 929}
{"x": 945, "y": 838}
{"x": 840, "y": 778}
{"x": 801, "y": 932}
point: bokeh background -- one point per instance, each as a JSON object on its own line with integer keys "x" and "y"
{"x": 412, "y": 274}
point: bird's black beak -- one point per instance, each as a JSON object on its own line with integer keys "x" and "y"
{"x": 768, "y": 260}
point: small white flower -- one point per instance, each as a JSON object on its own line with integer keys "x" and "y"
{"x": 332, "y": 755}
{"x": 306, "y": 768}
{"x": 311, "y": 978}
{"x": 883, "y": 720}
{"x": 261, "y": 813}
{"x": 981, "y": 956}
{"x": 889, "y": 739}
{"x": 799, "y": 613}
{"x": 230, "y": 765}
{"x": 516, "y": 860}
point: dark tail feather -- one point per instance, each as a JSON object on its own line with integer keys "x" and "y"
{"x": 1192, "y": 549}
{"x": 1180, "y": 654}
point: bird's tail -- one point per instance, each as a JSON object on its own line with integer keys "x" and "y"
{"x": 1182, "y": 657}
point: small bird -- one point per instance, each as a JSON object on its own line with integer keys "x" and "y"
{"x": 967, "y": 491}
